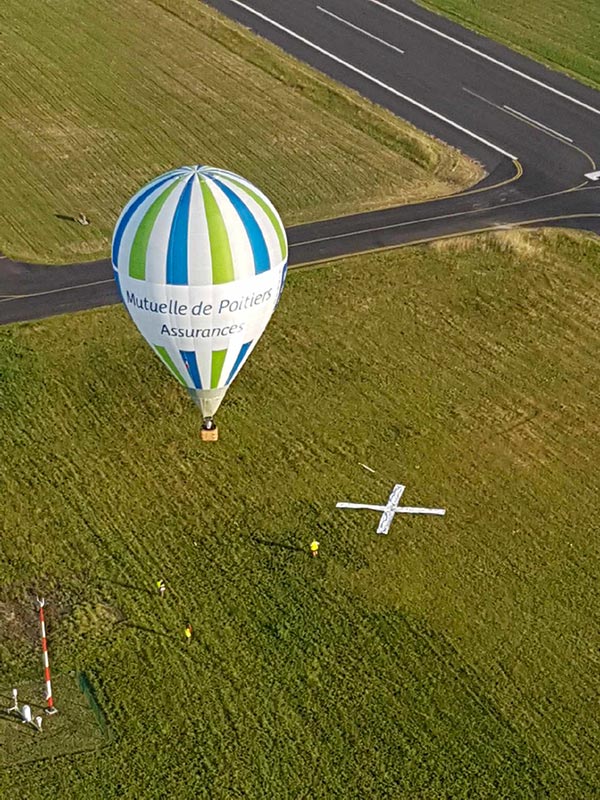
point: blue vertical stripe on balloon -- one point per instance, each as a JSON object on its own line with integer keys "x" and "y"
{"x": 238, "y": 361}
{"x": 177, "y": 250}
{"x": 131, "y": 211}
{"x": 189, "y": 358}
{"x": 255, "y": 235}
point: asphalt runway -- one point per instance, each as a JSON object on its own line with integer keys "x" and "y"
{"x": 537, "y": 133}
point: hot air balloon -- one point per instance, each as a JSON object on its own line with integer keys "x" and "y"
{"x": 200, "y": 256}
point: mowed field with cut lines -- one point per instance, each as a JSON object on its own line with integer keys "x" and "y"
{"x": 563, "y": 33}
{"x": 454, "y": 658}
{"x": 97, "y": 98}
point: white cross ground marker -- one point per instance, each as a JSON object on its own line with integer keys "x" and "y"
{"x": 392, "y": 508}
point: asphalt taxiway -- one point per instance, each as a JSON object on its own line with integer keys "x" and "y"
{"x": 536, "y": 131}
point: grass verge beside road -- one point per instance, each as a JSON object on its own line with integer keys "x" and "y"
{"x": 455, "y": 657}
{"x": 561, "y": 33}
{"x": 99, "y": 97}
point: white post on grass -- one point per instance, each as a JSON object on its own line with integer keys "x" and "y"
{"x": 15, "y": 705}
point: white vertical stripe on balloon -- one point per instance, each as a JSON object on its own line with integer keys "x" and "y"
{"x": 133, "y": 225}
{"x": 159, "y": 178}
{"x": 264, "y": 223}
{"x": 233, "y": 348}
{"x": 158, "y": 243}
{"x": 199, "y": 257}
{"x": 234, "y": 351}
{"x": 241, "y": 251}
{"x": 276, "y": 255}
{"x": 203, "y": 351}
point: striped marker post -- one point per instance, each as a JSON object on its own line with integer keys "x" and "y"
{"x": 51, "y": 708}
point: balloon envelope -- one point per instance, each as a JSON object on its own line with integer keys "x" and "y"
{"x": 200, "y": 255}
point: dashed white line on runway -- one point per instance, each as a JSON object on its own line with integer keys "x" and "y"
{"x": 538, "y": 124}
{"x": 374, "y": 80}
{"x": 522, "y": 117}
{"x": 361, "y": 30}
{"x": 480, "y": 53}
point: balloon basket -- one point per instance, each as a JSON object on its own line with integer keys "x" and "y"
{"x": 209, "y": 434}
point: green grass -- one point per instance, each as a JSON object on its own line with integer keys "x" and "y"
{"x": 99, "y": 97}
{"x": 73, "y": 730}
{"x": 561, "y": 33}
{"x": 454, "y": 658}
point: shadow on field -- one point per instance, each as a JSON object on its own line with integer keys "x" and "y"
{"x": 279, "y": 545}
{"x": 166, "y": 634}
{"x": 12, "y": 718}
{"x": 134, "y": 587}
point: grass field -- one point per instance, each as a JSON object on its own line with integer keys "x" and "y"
{"x": 562, "y": 33}
{"x": 74, "y": 730}
{"x": 454, "y": 658}
{"x": 98, "y": 97}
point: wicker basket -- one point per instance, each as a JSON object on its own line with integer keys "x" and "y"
{"x": 210, "y": 434}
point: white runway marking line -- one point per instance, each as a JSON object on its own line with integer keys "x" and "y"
{"x": 539, "y": 124}
{"x": 376, "y": 81}
{"x": 362, "y": 30}
{"x": 55, "y": 291}
{"x": 581, "y": 187}
{"x": 496, "y": 61}
{"x": 523, "y": 117}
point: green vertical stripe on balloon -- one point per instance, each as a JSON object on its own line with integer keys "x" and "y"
{"x": 220, "y": 249}
{"x": 268, "y": 211}
{"x": 137, "y": 256}
{"x": 168, "y": 362}
{"x": 216, "y": 367}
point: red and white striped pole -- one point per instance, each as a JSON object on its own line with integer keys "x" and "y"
{"x": 50, "y": 709}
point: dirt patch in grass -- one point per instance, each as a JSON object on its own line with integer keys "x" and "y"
{"x": 18, "y": 622}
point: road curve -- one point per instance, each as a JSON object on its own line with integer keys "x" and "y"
{"x": 536, "y": 131}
